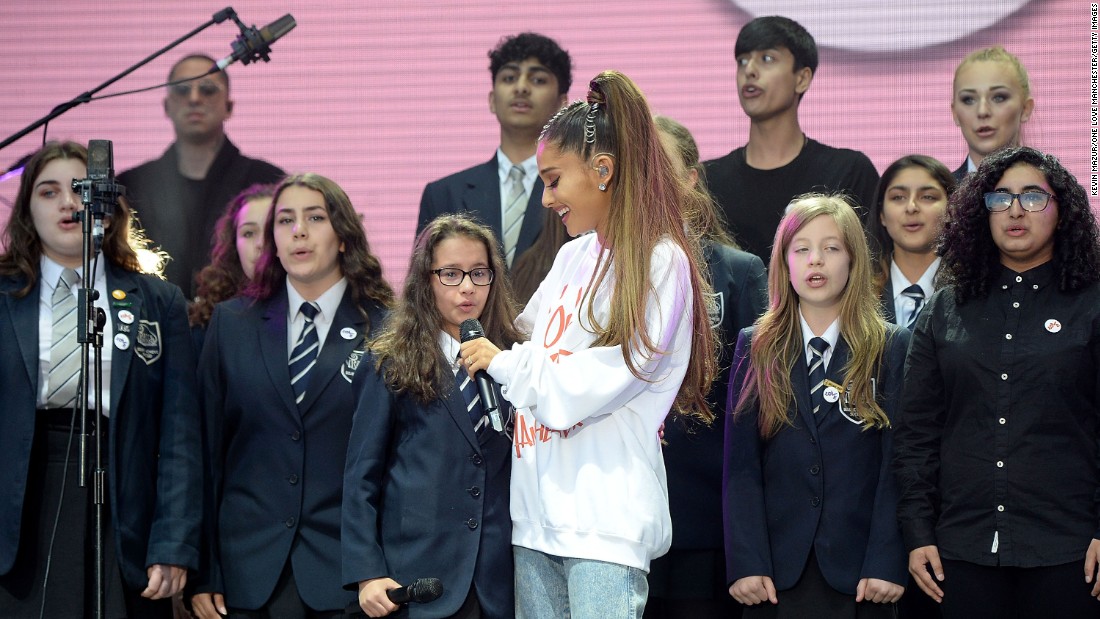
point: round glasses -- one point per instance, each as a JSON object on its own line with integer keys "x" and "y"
{"x": 450, "y": 276}
{"x": 1032, "y": 201}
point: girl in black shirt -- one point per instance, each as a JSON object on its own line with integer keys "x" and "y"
{"x": 997, "y": 437}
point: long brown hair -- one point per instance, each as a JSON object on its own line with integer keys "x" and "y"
{"x": 532, "y": 265}
{"x": 359, "y": 266}
{"x": 224, "y": 278}
{"x": 408, "y": 347}
{"x": 648, "y": 204}
{"x": 777, "y": 339}
{"x": 123, "y": 239}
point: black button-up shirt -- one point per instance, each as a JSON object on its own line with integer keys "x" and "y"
{"x": 996, "y": 444}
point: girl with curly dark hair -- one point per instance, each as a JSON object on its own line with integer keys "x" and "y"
{"x": 238, "y": 242}
{"x": 997, "y": 441}
{"x": 279, "y": 374}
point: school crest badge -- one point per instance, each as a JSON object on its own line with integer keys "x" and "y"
{"x": 716, "y": 309}
{"x": 148, "y": 342}
{"x": 351, "y": 364}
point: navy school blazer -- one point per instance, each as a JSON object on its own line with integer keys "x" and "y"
{"x": 153, "y": 450}
{"x": 824, "y": 488}
{"x": 275, "y": 469}
{"x": 424, "y": 499}
{"x": 476, "y": 191}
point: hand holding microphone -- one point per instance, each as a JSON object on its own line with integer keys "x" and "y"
{"x": 381, "y": 596}
{"x": 474, "y": 348}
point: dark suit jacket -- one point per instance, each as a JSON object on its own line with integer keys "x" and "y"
{"x": 824, "y": 487}
{"x": 424, "y": 499}
{"x": 180, "y": 220}
{"x": 961, "y": 172}
{"x": 276, "y": 468}
{"x": 693, "y": 453}
{"x": 154, "y": 470}
{"x": 886, "y": 298}
{"x": 476, "y": 191}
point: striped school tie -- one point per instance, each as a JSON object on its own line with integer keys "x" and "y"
{"x": 916, "y": 293}
{"x": 304, "y": 355}
{"x": 64, "y": 373}
{"x": 818, "y": 346}
{"x": 468, "y": 388}
{"x": 513, "y": 212}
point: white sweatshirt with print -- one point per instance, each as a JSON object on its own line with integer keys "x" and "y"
{"x": 588, "y": 479}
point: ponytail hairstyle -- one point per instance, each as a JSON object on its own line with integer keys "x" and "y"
{"x": 777, "y": 338}
{"x": 648, "y": 203}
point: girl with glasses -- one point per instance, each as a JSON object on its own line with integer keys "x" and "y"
{"x": 426, "y": 480}
{"x": 997, "y": 440}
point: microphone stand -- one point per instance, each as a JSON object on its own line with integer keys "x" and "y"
{"x": 219, "y": 17}
{"x": 89, "y": 330}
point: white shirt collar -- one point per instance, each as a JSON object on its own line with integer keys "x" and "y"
{"x": 831, "y": 335}
{"x": 328, "y": 302}
{"x": 898, "y": 281}
{"x": 530, "y": 169}
{"x": 50, "y": 271}
{"x": 450, "y": 347}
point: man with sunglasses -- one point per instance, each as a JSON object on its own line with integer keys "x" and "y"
{"x": 179, "y": 196}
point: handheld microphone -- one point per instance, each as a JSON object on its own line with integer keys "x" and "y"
{"x": 471, "y": 330}
{"x": 420, "y": 591}
{"x": 254, "y": 45}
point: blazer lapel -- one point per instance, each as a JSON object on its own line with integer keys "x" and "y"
{"x": 273, "y": 343}
{"x": 456, "y": 405}
{"x": 120, "y": 279}
{"x": 886, "y": 296}
{"x": 533, "y": 218}
{"x": 336, "y": 350}
{"x": 800, "y": 385}
{"x": 835, "y": 373}
{"x": 24, "y": 315}
{"x": 482, "y": 196}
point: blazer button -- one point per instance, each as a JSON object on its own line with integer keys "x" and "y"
{"x": 295, "y": 435}
{"x": 290, "y": 522}
{"x": 471, "y": 523}
{"x": 813, "y": 441}
{"x": 476, "y": 459}
{"x": 815, "y": 469}
{"x": 475, "y": 492}
{"x": 293, "y": 479}
{"x": 815, "y": 501}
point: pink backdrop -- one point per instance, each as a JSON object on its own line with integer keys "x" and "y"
{"x": 386, "y": 95}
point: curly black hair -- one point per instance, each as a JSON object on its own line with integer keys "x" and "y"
{"x": 533, "y": 45}
{"x": 971, "y": 260}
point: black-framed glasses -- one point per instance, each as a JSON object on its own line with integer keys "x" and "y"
{"x": 1032, "y": 201}
{"x": 206, "y": 88}
{"x": 450, "y": 276}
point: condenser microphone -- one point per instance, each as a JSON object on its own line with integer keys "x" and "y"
{"x": 254, "y": 44}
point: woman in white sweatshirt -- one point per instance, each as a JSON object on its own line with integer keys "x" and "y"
{"x": 620, "y": 337}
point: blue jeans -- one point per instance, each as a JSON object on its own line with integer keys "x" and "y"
{"x": 550, "y": 587}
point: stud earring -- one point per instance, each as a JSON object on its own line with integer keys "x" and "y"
{"x": 603, "y": 186}
{"x": 603, "y": 171}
